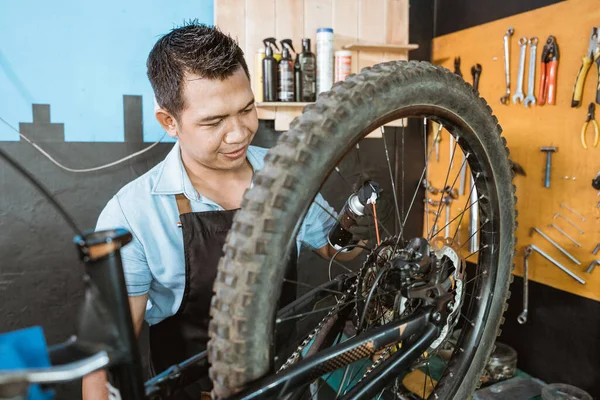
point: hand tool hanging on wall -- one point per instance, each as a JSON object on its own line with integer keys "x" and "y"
{"x": 591, "y": 117}
{"x": 506, "y": 98}
{"x": 457, "y": 66}
{"x": 548, "y": 150}
{"x": 596, "y": 182}
{"x": 519, "y": 96}
{"x": 474, "y": 217}
{"x": 559, "y": 247}
{"x": 530, "y": 99}
{"x": 569, "y": 221}
{"x": 596, "y": 249}
{"x": 556, "y": 263}
{"x": 592, "y": 266}
{"x": 522, "y": 318}
{"x": 573, "y": 211}
{"x": 548, "y": 72}
{"x": 565, "y": 234}
{"x": 593, "y": 54}
{"x": 476, "y": 73}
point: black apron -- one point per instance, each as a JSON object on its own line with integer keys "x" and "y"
{"x": 185, "y": 334}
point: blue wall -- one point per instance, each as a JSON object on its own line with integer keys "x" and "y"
{"x": 81, "y": 58}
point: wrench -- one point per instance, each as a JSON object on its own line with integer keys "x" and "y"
{"x": 519, "y": 96}
{"x": 506, "y": 98}
{"x": 522, "y": 318}
{"x": 530, "y": 99}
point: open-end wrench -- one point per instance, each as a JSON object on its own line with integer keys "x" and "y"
{"x": 522, "y": 318}
{"x": 530, "y": 99}
{"x": 506, "y": 98}
{"x": 519, "y": 96}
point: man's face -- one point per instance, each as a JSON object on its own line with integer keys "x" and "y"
{"x": 218, "y": 121}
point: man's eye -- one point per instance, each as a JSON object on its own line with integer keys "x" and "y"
{"x": 247, "y": 110}
{"x": 215, "y": 124}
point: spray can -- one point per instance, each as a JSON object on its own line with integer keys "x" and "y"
{"x": 258, "y": 74}
{"x": 339, "y": 235}
{"x": 343, "y": 64}
{"x": 308, "y": 68}
{"x": 324, "y": 59}
{"x": 269, "y": 69}
{"x": 286, "y": 72}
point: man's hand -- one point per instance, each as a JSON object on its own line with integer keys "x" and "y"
{"x": 364, "y": 229}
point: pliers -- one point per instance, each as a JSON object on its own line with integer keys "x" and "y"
{"x": 590, "y": 118}
{"x": 592, "y": 55}
{"x": 549, "y": 69}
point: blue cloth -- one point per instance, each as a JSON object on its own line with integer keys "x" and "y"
{"x": 25, "y": 348}
{"x": 154, "y": 261}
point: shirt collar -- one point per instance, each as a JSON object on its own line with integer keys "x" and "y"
{"x": 173, "y": 178}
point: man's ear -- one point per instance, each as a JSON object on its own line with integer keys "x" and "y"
{"x": 167, "y": 121}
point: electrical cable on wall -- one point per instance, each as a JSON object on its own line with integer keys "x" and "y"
{"x": 81, "y": 170}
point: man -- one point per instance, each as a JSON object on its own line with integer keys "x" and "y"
{"x": 180, "y": 211}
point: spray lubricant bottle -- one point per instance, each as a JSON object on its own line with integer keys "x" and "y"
{"x": 340, "y": 236}
{"x": 308, "y": 66}
{"x": 269, "y": 68}
{"x": 286, "y": 72}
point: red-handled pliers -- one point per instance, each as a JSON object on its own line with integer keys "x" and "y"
{"x": 549, "y": 70}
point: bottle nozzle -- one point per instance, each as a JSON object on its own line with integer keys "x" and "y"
{"x": 287, "y": 42}
{"x": 271, "y": 41}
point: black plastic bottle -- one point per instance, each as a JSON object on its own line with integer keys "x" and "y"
{"x": 286, "y": 72}
{"x": 269, "y": 66}
{"x": 308, "y": 66}
{"x": 297, "y": 79}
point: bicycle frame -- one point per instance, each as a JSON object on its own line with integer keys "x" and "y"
{"x": 106, "y": 340}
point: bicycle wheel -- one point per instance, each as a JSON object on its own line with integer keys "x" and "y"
{"x": 314, "y": 151}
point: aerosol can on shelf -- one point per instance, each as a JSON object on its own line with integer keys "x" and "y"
{"x": 286, "y": 72}
{"x": 339, "y": 235}
{"x": 269, "y": 71}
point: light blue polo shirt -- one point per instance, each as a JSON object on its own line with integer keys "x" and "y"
{"x": 154, "y": 260}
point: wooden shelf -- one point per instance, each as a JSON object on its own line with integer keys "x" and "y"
{"x": 389, "y": 48}
{"x": 281, "y": 104}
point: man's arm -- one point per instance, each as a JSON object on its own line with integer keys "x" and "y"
{"x": 327, "y": 252}
{"x": 94, "y": 384}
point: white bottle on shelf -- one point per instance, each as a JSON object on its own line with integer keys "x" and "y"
{"x": 324, "y": 59}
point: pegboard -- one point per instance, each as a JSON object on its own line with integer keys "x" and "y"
{"x": 528, "y": 129}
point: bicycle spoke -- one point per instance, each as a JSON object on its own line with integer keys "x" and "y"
{"x": 445, "y": 185}
{"x": 431, "y": 380}
{"x": 454, "y": 219}
{"x": 296, "y": 316}
{"x": 337, "y": 169}
{"x": 466, "y": 203}
{"x": 387, "y": 157}
{"x": 468, "y": 320}
{"x": 396, "y": 162}
{"x": 412, "y": 202}
{"x": 426, "y": 177}
{"x": 312, "y": 286}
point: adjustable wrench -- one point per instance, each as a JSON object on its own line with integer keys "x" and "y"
{"x": 519, "y": 96}
{"x": 530, "y": 99}
{"x": 522, "y": 318}
{"x": 506, "y": 98}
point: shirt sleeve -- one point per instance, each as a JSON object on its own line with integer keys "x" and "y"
{"x": 135, "y": 267}
{"x": 319, "y": 220}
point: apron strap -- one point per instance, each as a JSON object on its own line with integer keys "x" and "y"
{"x": 183, "y": 204}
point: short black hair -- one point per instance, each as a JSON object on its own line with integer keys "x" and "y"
{"x": 191, "y": 48}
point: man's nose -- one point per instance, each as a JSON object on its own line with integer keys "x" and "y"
{"x": 237, "y": 132}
